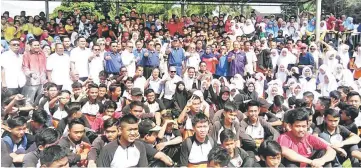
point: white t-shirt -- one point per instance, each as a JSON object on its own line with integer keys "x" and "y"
{"x": 12, "y": 64}
{"x": 140, "y": 83}
{"x": 80, "y": 58}
{"x": 60, "y": 67}
{"x": 251, "y": 58}
{"x": 95, "y": 66}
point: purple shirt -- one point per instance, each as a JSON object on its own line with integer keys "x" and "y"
{"x": 237, "y": 65}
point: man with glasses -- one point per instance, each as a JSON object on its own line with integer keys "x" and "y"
{"x": 12, "y": 76}
{"x": 58, "y": 66}
{"x": 150, "y": 60}
{"x": 170, "y": 86}
{"x": 96, "y": 64}
{"x": 305, "y": 58}
{"x": 128, "y": 60}
{"x": 34, "y": 67}
{"x": 113, "y": 61}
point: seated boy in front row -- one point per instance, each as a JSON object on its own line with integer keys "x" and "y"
{"x": 301, "y": 149}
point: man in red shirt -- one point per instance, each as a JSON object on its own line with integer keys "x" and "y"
{"x": 301, "y": 149}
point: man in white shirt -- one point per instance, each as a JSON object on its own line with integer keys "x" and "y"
{"x": 58, "y": 66}
{"x": 190, "y": 79}
{"x": 139, "y": 79}
{"x": 12, "y": 75}
{"x": 170, "y": 86}
{"x": 251, "y": 59}
{"x": 128, "y": 59}
{"x": 96, "y": 64}
{"x": 79, "y": 59}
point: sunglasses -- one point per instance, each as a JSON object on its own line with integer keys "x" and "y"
{"x": 173, "y": 71}
{"x": 15, "y": 44}
{"x": 96, "y": 49}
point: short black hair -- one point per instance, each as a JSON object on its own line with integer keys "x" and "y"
{"x": 16, "y": 122}
{"x": 76, "y": 85}
{"x": 298, "y": 114}
{"x": 92, "y": 85}
{"x": 270, "y": 148}
{"x": 309, "y": 94}
{"x": 148, "y": 91}
{"x": 278, "y": 100}
{"x": 64, "y": 91}
{"x": 227, "y": 135}
{"x": 128, "y": 119}
{"x": 229, "y": 106}
{"x": 219, "y": 156}
{"x": 199, "y": 118}
{"x": 350, "y": 111}
{"x": 253, "y": 103}
{"x": 335, "y": 94}
{"x": 40, "y": 116}
{"x": 110, "y": 122}
{"x": 76, "y": 121}
{"x": 51, "y": 85}
{"x": 102, "y": 85}
{"x": 47, "y": 136}
{"x": 52, "y": 154}
{"x": 109, "y": 104}
{"x": 353, "y": 93}
{"x": 325, "y": 101}
{"x": 113, "y": 87}
{"x": 332, "y": 113}
{"x": 72, "y": 107}
{"x": 135, "y": 103}
{"x": 345, "y": 89}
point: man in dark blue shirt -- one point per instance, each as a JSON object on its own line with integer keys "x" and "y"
{"x": 150, "y": 60}
{"x": 113, "y": 61}
{"x": 305, "y": 58}
{"x": 176, "y": 56}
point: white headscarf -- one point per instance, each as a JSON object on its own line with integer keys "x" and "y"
{"x": 274, "y": 58}
{"x": 344, "y": 76}
{"x": 331, "y": 63}
{"x": 307, "y": 85}
{"x": 217, "y": 82}
{"x": 238, "y": 81}
{"x": 288, "y": 59}
{"x": 300, "y": 94}
{"x": 357, "y": 56}
{"x": 158, "y": 24}
{"x": 248, "y": 28}
{"x": 320, "y": 75}
{"x": 343, "y": 53}
{"x": 282, "y": 73}
{"x": 273, "y": 85}
{"x": 259, "y": 85}
{"x": 315, "y": 54}
{"x": 326, "y": 88}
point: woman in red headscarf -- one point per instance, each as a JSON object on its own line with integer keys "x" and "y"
{"x": 331, "y": 23}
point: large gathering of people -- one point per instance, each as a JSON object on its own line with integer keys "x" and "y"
{"x": 186, "y": 91}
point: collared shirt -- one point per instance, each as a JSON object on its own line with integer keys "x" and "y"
{"x": 306, "y": 59}
{"x": 200, "y": 52}
{"x": 12, "y": 64}
{"x": 95, "y": 66}
{"x": 193, "y": 60}
{"x": 170, "y": 86}
{"x": 60, "y": 67}
{"x": 115, "y": 155}
{"x": 156, "y": 85}
{"x": 176, "y": 57}
{"x": 139, "y": 54}
{"x": 34, "y": 63}
{"x": 80, "y": 58}
{"x": 198, "y": 154}
{"x": 341, "y": 133}
{"x": 152, "y": 60}
{"x": 237, "y": 65}
{"x": 114, "y": 64}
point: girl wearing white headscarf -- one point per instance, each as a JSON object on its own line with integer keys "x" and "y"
{"x": 238, "y": 81}
{"x": 282, "y": 73}
{"x": 158, "y": 24}
{"x": 321, "y": 73}
{"x": 224, "y": 81}
{"x": 303, "y": 29}
{"x": 357, "y": 63}
{"x": 297, "y": 91}
{"x": 315, "y": 53}
{"x": 273, "y": 90}
{"x": 274, "y": 56}
{"x": 344, "y": 55}
{"x": 286, "y": 58}
{"x": 216, "y": 86}
{"x": 290, "y": 84}
{"x": 238, "y": 30}
{"x": 234, "y": 91}
{"x": 260, "y": 84}
{"x": 248, "y": 28}
{"x": 307, "y": 81}
{"x": 284, "y": 28}
{"x": 329, "y": 84}
{"x": 343, "y": 76}
{"x": 330, "y": 60}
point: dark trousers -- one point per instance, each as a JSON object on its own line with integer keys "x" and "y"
{"x": 167, "y": 103}
{"x": 148, "y": 71}
{"x": 31, "y": 91}
{"x": 316, "y": 154}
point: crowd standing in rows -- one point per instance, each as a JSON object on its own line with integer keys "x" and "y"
{"x": 137, "y": 90}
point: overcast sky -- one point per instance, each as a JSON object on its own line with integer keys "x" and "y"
{"x": 31, "y": 7}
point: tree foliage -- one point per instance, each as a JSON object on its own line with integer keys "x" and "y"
{"x": 69, "y": 7}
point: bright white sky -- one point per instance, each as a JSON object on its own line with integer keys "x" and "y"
{"x": 35, "y": 7}
{"x": 31, "y": 7}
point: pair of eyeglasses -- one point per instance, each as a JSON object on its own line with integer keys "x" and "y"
{"x": 15, "y": 44}
{"x": 96, "y": 49}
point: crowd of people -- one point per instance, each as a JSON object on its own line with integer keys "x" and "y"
{"x": 197, "y": 91}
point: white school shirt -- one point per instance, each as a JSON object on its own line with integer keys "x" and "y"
{"x": 12, "y": 64}
{"x": 60, "y": 67}
{"x": 80, "y": 58}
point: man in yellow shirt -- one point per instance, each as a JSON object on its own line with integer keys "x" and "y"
{"x": 10, "y": 30}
